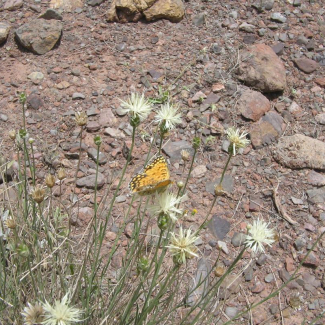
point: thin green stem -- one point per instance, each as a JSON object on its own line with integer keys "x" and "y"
{"x": 207, "y": 216}
{"x": 96, "y": 184}
{"x": 152, "y": 143}
{"x": 190, "y": 171}
{"x": 24, "y": 116}
{"x": 103, "y": 227}
{"x": 226, "y": 166}
{"x": 77, "y": 170}
{"x": 25, "y": 179}
{"x": 32, "y": 168}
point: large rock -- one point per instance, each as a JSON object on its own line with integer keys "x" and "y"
{"x": 4, "y": 31}
{"x": 13, "y": 4}
{"x": 253, "y": 105}
{"x": 67, "y": 5}
{"x": 40, "y": 35}
{"x": 267, "y": 129}
{"x": 300, "y": 151}
{"x": 260, "y": 67}
{"x": 133, "y": 10}
{"x": 172, "y": 10}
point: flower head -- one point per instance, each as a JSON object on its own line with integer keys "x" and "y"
{"x": 168, "y": 116}
{"x": 50, "y": 180}
{"x": 185, "y": 155}
{"x": 33, "y": 314}
{"x": 38, "y": 194}
{"x": 166, "y": 203}
{"x": 11, "y": 223}
{"x": 81, "y": 118}
{"x": 237, "y": 140}
{"x": 137, "y": 106}
{"x": 12, "y": 134}
{"x": 258, "y": 235}
{"x": 61, "y": 313}
{"x": 182, "y": 245}
{"x": 61, "y": 174}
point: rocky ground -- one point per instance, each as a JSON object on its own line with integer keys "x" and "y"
{"x": 258, "y": 65}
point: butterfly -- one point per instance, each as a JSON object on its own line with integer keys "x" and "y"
{"x": 154, "y": 177}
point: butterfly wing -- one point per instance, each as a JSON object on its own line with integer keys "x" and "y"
{"x": 155, "y": 176}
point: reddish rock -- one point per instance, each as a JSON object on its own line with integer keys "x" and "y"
{"x": 267, "y": 129}
{"x": 253, "y": 105}
{"x": 260, "y": 67}
{"x": 320, "y": 82}
{"x": 306, "y": 65}
{"x": 289, "y": 263}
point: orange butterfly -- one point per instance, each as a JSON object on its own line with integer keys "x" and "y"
{"x": 154, "y": 177}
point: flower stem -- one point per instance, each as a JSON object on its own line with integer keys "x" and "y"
{"x": 190, "y": 171}
{"x": 76, "y": 175}
{"x": 226, "y": 166}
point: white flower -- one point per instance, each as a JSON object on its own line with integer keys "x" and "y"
{"x": 169, "y": 115}
{"x": 236, "y": 139}
{"x": 258, "y": 235}
{"x": 33, "y": 314}
{"x": 182, "y": 246}
{"x": 61, "y": 313}
{"x": 137, "y": 106}
{"x": 166, "y": 203}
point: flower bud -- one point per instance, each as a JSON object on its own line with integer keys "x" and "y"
{"x": 185, "y": 155}
{"x": 143, "y": 264}
{"x": 196, "y": 142}
{"x": 50, "y": 180}
{"x": 22, "y": 133}
{"x": 180, "y": 184}
{"x": 12, "y": 134}
{"x": 98, "y": 140}
{"x": 163, "y": 221}
{"x": 81, "y": 118}
{"x": 38, "y": 194}
{"x": 22, "y": 97}
{"x": 11, "y": 223}
{"x": 219, "y": 271}
{"x": 22, "y": 250}
{"x": 218, "y": 190}
{"x": 61, "y": 174}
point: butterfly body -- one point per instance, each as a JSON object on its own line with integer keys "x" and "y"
{"x": 154, "y": 177}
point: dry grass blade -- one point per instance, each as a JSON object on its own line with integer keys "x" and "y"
{"x": 280, "y": 207}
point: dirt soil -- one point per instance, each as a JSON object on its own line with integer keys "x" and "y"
{"x": 107, "y": 61}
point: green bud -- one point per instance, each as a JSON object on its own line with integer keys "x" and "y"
{"x": 231, "y": 149}
{"x": 98, "y": 140}
{"x": 196, "y": 142}
{"x": 135, "y": 121}
{"x": 163, "y": 221}
{"x": 22, "y": 133}
{"x": 143, "y": 265}
{"x": 22, "y": 250}
{"x": 22, "y": 98}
